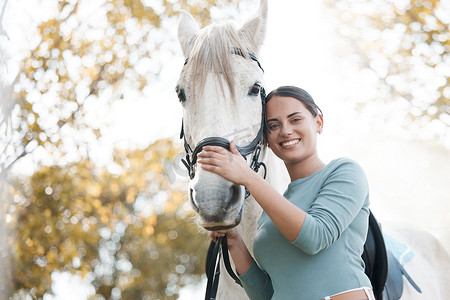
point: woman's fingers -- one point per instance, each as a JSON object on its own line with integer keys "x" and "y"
{"x": 233, "y": 148}
{"x": 205, "y": 153}
{"x": 216, "y": 149}
{"x": 229, "y": 165}
{"x": 208, "y": 161}
{"x": 212, "y": 155}
{"x": 210, "y": 168}
{"x": 216, "y": 234}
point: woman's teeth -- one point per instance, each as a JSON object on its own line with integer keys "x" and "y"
{"x": 290, "y": 143}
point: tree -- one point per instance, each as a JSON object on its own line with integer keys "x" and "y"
{"x": 72, "y": 215}
{"x": 128, "y": 231}
{"x": 402, "y": 48}
{"x": 88, "y": 54}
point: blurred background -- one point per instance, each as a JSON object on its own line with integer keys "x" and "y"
{"x": 92, "y": 193}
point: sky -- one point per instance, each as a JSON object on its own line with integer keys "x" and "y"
{"x": 408, "y": 178}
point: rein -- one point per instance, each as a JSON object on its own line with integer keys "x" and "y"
{"x": 220, "y": 247}
{"x": 216, "y": 249}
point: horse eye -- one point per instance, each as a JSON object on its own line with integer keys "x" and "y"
{"x": 180, "y": 93}
{"x": 254, "y": 91}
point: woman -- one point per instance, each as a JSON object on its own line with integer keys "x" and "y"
{"x": 309, "y": 241}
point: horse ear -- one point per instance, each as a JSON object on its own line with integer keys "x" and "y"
{"x": 187, "y": 31}
{"x": 254, "y": 30}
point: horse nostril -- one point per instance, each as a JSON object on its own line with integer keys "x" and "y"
{"x": 235, "y": 194}
{"x": 194, "y": 205}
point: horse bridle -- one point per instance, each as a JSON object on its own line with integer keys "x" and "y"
{"x": 254, "y": 146}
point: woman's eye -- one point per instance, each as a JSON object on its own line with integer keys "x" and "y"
{"x": 254, "y": 91}
{"x": 180, "y": 93}
{"x": 296, "y": 119}
{"x": 273, "y": 126}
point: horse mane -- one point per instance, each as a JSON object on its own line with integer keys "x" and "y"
{"x": 211, "y": 53}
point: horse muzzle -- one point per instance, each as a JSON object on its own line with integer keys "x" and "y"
{"x": 217, "y": 201}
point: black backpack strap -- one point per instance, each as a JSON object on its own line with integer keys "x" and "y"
{"x": 375, "y": 257}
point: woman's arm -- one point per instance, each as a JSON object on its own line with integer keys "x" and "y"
{"x": 343, "y": 196}
{"x": 287, "y": 217}
{"x": 340, "y": 200}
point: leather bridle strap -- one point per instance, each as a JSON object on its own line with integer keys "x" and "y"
{"x": 224, "y": 143}
{"x": 220, "y": 247}
{"x": 226, "y": 260}
{"x": 254, "y": 146}
{"x": 213, "y": 271}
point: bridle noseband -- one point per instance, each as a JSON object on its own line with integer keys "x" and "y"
{"x": 254, "y": 146}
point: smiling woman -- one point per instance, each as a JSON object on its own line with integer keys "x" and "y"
{"x": 309, "y": 240}
{"x": 293, "y": 123}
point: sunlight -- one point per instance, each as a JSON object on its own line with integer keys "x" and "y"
{"x": 67, "y": 286}
{"x": 407, "y": 163}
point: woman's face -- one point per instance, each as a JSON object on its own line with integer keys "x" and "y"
{"x": 293, "y": 129}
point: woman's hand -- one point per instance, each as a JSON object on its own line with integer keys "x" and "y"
{"x": 239, "y": 252}
{"x": 233, "y": 237}
{"x": 229, "y": 165}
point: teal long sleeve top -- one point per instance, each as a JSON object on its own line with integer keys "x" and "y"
{"x": 325, "y": 259}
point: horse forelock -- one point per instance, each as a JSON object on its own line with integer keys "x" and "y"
{"x": 212, "y": 54}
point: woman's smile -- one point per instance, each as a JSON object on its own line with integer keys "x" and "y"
{"x": 290, "y": 143}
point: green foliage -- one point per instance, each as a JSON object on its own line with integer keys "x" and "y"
{"x": 128, "y": 230}
{"x": 406, "y": 45}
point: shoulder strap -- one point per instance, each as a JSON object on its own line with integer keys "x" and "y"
{"x": 375, "y": 257}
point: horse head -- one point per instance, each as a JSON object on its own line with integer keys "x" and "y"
{"x": 220, "y": 89}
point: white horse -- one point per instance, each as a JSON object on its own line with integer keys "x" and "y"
{"x": 217, "y": 92}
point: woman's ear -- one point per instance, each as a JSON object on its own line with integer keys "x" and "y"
{"x": 319, "y": 123}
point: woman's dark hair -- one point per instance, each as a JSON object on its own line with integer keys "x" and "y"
{"x": 297, "y": 93}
